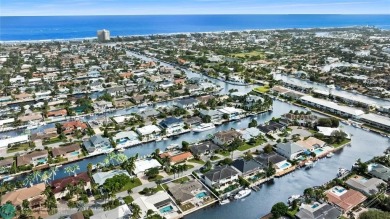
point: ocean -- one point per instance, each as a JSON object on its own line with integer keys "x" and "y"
{"x": 75, "y": 27}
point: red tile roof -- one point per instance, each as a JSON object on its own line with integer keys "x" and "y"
{"x": 60, "y": 184}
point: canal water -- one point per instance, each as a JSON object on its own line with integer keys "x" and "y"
{"x": 365, "y": 145}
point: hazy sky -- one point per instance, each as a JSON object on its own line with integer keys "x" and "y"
{"x": 140, "y": 7}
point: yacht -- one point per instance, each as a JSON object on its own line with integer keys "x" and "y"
{"x": 243, "y": 193}
{"x": 292, "y": 198}
{"x": 121, "y": 150}
{"x": 341, "y": 172}
{"x": 309, "y": 164}
{"x": 366, "y": 129}
{"x": 329, "y": 155}
{"x": 204, "y": 127}
{"x": 224, "y": 202}
{"x": 172, "y": 147}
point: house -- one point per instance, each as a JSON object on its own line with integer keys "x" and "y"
{"x": 116, "y": 91}
{"x": 172, "y": 125}
{"x": 149, "y": 132}
{"x": 300, "y": 119}
{"x": 343, "y": 198}
{"x": 177, "y": 157}
{"x": 214, "y": 115}
{"x": 221, "y": 176}
{"x": 145, "y": 164}
{"x": 366, "y": 186}
{"x": 193, "y": 121}
{"x": 203, "y": 148}
{"x": 59, "y": 186}
{"x": 157, "y": 203}
{"x": 290, "y": 150}
{"x": 71, "y": 126}
{"x": 126, "y": 139}
{"x": 379, "y": 171}
{"x": 30, "y": 117}
{"x": 311, "y": 143}
{"x": 100, "y": 177}
{"x": 97, "y": 145}
{"x": 5, "y": 164}
{"x": 249, "y": 133}
{"x": 78, "y": 215}
{"x": 35, "y": 158}
{"x": 69, "y": 152}
{"x": 246, "y": 167}
{"x": 318, "y": 211}
{"x": 185, "y": 192}
{"x": 188, "y": 103}
{"x": 57, "y": 113}
{"x": 233, "y": 113}
{"x": 4, "y": 143}
{"x": 226, "y": 137}
{"x": 270, "y": 159}
{"x": 328, "y": 131}
{"x": 271, "y": 128}
{"x": 33, "y": 194}
{"x": 120, "y": 212}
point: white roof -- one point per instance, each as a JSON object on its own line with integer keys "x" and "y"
{"x": 333, "y": 105}
{"x": 142, "y": 165}
{"x": 116, "y": 213}
{"x": 120, "y": 119}
{"x": 5, "y": 121}
{"x": 230, "y": 110}
{"x": 101, "y": 177}
{"x": 13, "y": 140}
{"x": 327, "y": 131}
{"x": 149, "y": 129}
{"x": 147, "y": 202}
{"x": 127, "y": 134}
{"x": 383, "y": 120}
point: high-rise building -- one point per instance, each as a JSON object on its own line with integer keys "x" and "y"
{"x": 103, "y": 35}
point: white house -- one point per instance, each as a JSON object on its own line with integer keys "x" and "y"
{"x": 290, "y": 150}
{"x": 172, "y": 125}
{"x": 149, "y": 132}
{"x": 221, "y": 176}
{"x": 126, "y": 139}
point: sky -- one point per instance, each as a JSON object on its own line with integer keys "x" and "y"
{"x": 162, "y": 7}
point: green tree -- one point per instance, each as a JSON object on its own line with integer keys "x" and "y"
{"x": 279, "y": 209}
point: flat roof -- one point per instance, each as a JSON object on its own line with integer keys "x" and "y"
{"x": 333, "y": 105}
{"x": 383, "y": 120}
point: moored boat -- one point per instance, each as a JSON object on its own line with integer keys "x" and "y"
{"x": 242, "y": 194}
{"x": 224, "y": 202}
{"x": 329, "y": 155}
{"x": 204, "y": 127}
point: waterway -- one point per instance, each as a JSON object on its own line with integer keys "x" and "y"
{"x": 365, "y": 145}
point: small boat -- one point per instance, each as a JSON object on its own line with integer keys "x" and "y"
{"x": 165, "y": 138}
{"x": 204, "y": 127}
{"x": 341, "y": 172}
{"x": 309, "y": 163}
{"x": 345, "y": 122}
{"x": 121, "y": 149}
{"x": 329, "y": 155}
{"x": 224, "y": 202}
{"x": 172, "y": 147}
{"x": 292, "y": 198}
{"x": 8, "y": 178}
{"x": 243, "y": 193}
{"x": 366, "y": 129}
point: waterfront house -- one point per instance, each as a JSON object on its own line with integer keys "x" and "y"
{"x": 233, "y": 113}
{"x": 69, "y": 152}
{"x": 9, "y": 142}
{"x": 221, "y": 176}
{"x": 214, "y": 115}
{"x": 33, "y": 194}
{"x": 249, "y": 133}
{"x": 318, "y": 211}
{"x": 246, "y": 168}
{"x": 100, "y": 177}
{"x": 311, "y": 143}
{"x": 119, "y": 212}
{"x": 59, "y": 186}
{"x": 172, "y": 125}
{"x": 226, "y": 137}
{"x": 186, "y": 191}
{"x": 203, "y": 148}
{"x": 380, "y": 171}
{"x": 97, "y": 144}
{"x": 6, "y": 164}
{"x": 126, "y": 139}
{"x": 149, "y": 132}
{"x": 34, "y": 158}
{"x": 271, "y": 127}
{"x": 328, "y": 131}
{"x": 145, "y": 164}
{"x": 188, "y": 103}
{"x": 300, "y": 119}
{"x": 290, "y": 150}
{"x": 159, "y": 202}
{"x": 346, "y": 199}
{"x": 177, "y": 157}
{"x": 31, "y": 117}
{"x": 71, "y": 126}
{"x": 57, "y": 113}
{"x": 366, "y": 186}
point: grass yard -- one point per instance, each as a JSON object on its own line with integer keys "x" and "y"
{"x": 215, "y": 157}
{"x": 181, "y": 180}
{"x": 196, "y": 161}
{"x": 345, "y": 141}
{"x": 20, "y": 147}
{"x": 245, "y": 147}
{"x": 51, "y": 141}
{"x": 262, "y": 89}
{"x": 128, "y": 199}
{"x": 155, "y": 178}
{"x": 131, "y": 185}
{"x": 224, "y": 153}
{"x": 248, "y": 54}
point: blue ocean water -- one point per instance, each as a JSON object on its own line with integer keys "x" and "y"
{"x": 68, "y": 27}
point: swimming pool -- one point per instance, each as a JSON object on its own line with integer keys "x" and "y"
{"x": 166, "y": 209}
{"x": 201, "y": 195}
{"x": 318, "y": 151}
{"x": 338, "y": 190}
{"x": 315, "y": 205}
{"x": 285, "y": 165}
{"x": 74, "y": 153}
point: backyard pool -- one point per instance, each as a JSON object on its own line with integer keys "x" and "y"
{"x": 318, "y": 151}
{"x": 201, "y": 195}
{"x": 166, "y": 209}
{"x": 284, "y": 165}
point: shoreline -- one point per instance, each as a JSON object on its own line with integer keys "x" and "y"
{"x": 37, "y": 41}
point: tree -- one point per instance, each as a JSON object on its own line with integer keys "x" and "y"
{"x": 268, "y": 149}
{"x": 136, "y": 211}
{"x": 374, "y": 214}
{"x": 7, "y": 211}
{"x": 270, "y": 170}
{"x": 252, "y": 123}
{"x": 152, "y": 172}
{"x": 185, "y": 146}
{"x": 279, "y": 209}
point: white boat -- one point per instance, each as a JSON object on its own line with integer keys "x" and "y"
{"x": 8, "y": 178}
{"x": 243, "y": 193}
{"x": 345, "y": 122}
{"x": 121, "y": 149}
{"x": 224, "y": 202}
{"x": 292, "y": 198}
{"x": 172, "y": 147}
{"x": 165, "y": 138}
{"x": 309, "y": 163}
{"x": 341, "y": 172}
{"x": 329, "y": 155}
{"x": 204, "y": 127}
{"x": 366, "y": 129}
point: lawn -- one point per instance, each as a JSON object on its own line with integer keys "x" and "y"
{"x": 162, "y": 187}
{"x": 215, "y": 157}
{"x": 51, "y": 141}
{"x": 131, "y": 185}
{"x": 247, "y": 146}
{"x": 292, "y": 212}
{"x": 155, "y": 178}
{"x": 181, "y": 180}
{"x": 262, "y": 89}
{"x": 248, "y": 54}
{"x": 21, "y": 147}
{"x": 342, "y": 143}
{"x": 224, "y": 153}
{"x": 196, "y": 161}
{"x": 128, "y": 199}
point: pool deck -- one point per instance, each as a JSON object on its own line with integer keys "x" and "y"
{"x": 285, "y": 171}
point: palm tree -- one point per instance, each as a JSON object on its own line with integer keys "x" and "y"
{"x": 167, "y": 163}
{"x": 45, "y": 177}
{"x": 28, "y": 180}
{"x": 36, "y": 175}
{"x": 89, "y": 169}
{"x": 75, "y": 167}
{"x": 53, "y": 172}
{"x": 111, "y": 156}
{"x": 174, "y": 169}
{"x": 120, "y": 158}
{"x": 68, "y": 170}
{"x": 136, "y": 210}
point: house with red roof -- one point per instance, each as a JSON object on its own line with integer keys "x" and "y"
{"x": 71, "y": 126}
{"x": 59, "y": 186}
